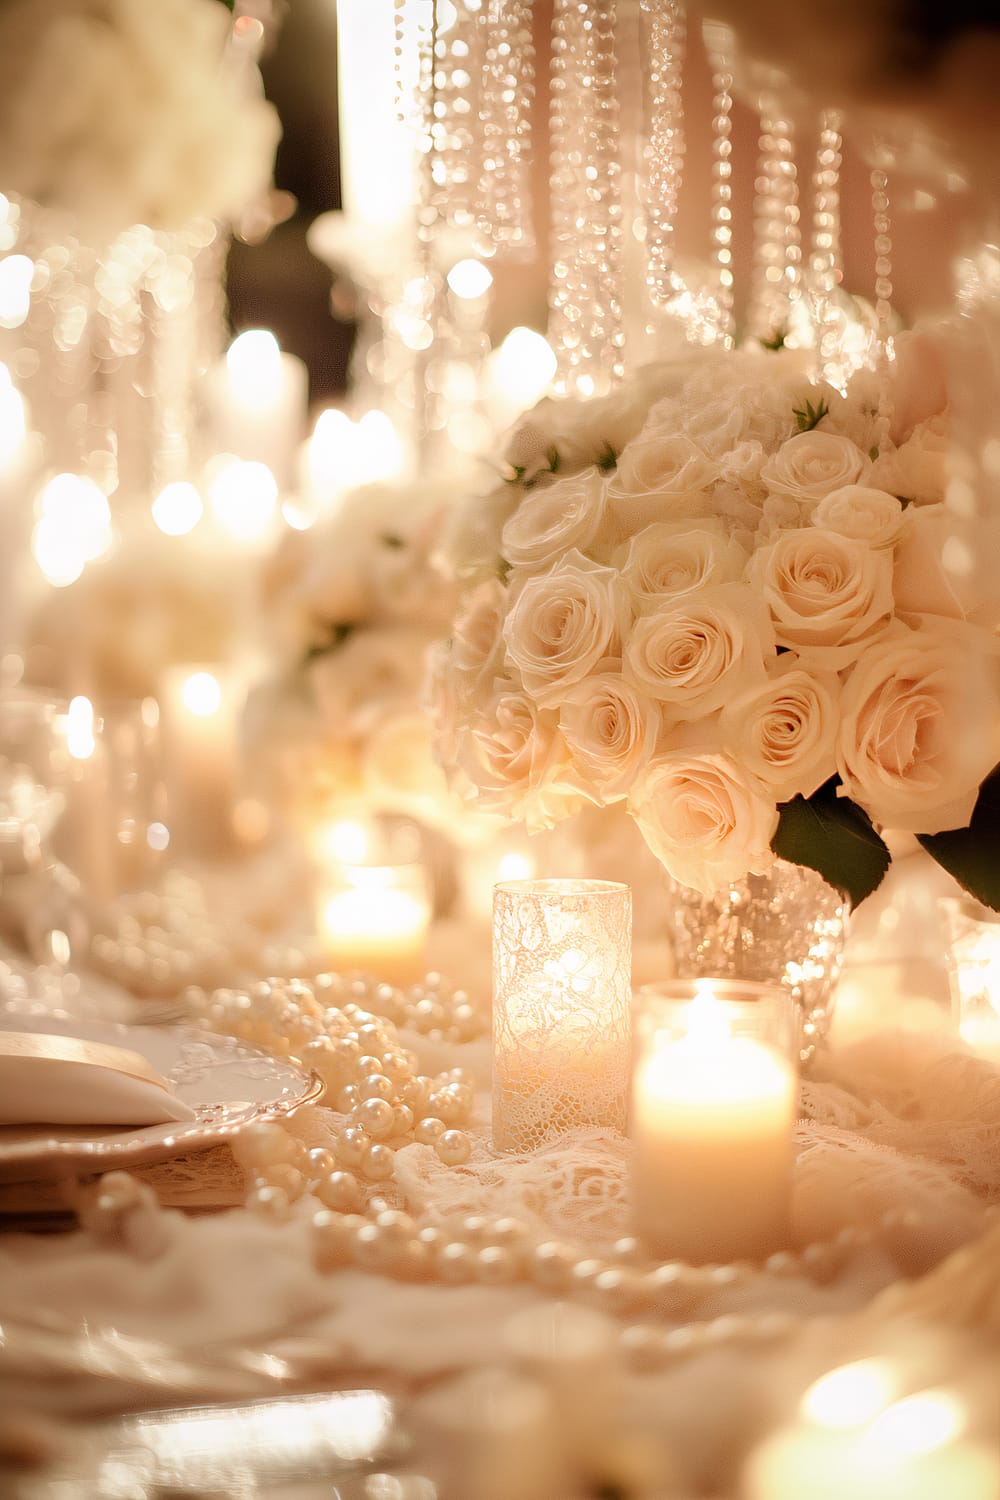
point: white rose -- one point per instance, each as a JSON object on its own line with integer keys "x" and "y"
{"x": 870, "y": 515}
{"x": 704, "y": 819}
{"x": 372, "y": 666}
{"x": 660, "y": 477}
{"x": 918, "y": 469}
{"x": 829, "y": 595}
{"x": 716, "y": 425}
{"x": 611, "y": 731}
{"x": 677, "y": 557}
{"x": 516, "y": 758}
{"x": 562, "y": 623}
{"x": 555, "y": 517}
{"x": 810, "y": 464}
{"x": 922, "y": 582}
{"x": 783, "y": 731}
{"x": 694, "y": 652}
{"x": 918, "y": 379}
{"x": 920, "y": 725}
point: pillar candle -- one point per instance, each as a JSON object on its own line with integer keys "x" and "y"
{"x": 200, "y": 708}
{"x": 712, "y": 1118}
{"x": 375, "y": 918}
{"x": 257, "y": 397}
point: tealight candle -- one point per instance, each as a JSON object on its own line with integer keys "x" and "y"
{"x": 712, "y": 1118}
{"x": 855, "y": 1440}
{"x": 257, "y": 397}
{"x": 376, "y": 918}
{"x": 200, "y": 710}
{"x": 561, "y": 997}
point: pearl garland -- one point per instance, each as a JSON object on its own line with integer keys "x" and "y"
{"x": 345, "y": 1027}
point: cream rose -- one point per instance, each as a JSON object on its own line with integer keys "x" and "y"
{"x": 869, "y": 515}
{"x": 704, "y": 819}
{"x": 694, "y": 652}
{"x": 516, "y": 758}
{"x": 829, "y": 596}
{"x": 923, "y": 583}
{"x": 611, "y": 730}
{"x": 784, "y": 731}
{"x": 918, "y": 469}
{"x": 811, "y": 464}
{"x": 562, "y": 623}
{"x": 920, "y": 725}
{"x": 660, "y": 477}
{"x": 677, "y": 557}
{"x": 373, "y": 666}
{"x": 554, "y": 517}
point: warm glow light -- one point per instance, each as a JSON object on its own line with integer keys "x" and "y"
{"x": 254, "y": 364}
{"x": 347, "y": 842}
{"x": 916, "y": 1425}
{"x": 73, "y": 529}
{"x": 706, "y": 1019}
{"x": 295, "y": 516}
{"x": 379, "y": 448}
{"x": 177, "y": 509}
{"x": 470, "y": 279}
{"x": 16, "y": 272}
{"x": 515, "y": 866}
{"x": 523, "y": 367}
{"x": 850, "y": 1395}
{"x": 80, "y": 740}
{"x": 244, "y": 499}
{"x": 201, "y": 694}
{"x": 13, "y": 421}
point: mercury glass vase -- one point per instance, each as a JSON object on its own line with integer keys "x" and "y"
{"x": 787, "y": 927}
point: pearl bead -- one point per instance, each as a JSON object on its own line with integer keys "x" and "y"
{"x": 340, "y": 1190}
{"x": 508, "y": 1231}
{"x": 320, "y": 1161}
{"x": 370, "y": 1066}
{"x": 402, "y": 1119}
{"x": 270, "y": 1203}
{"x": 453, "y": 1147}
{"x": 352, "y": 1143}
{"x": 283, "y": 1175}
{"x": 432, "y": 1235}
{"x": 376, "y": 1086}
{"x": 782, "y": 1264}
{"x": 626, "y": 1249}
{"x": 445, "y": 1106}
{"x": 642, "y": 1346}
{"x": 370, "y": 1248}
{"x": 395, "y": 1224}
{"x": 376, "y": 1116}
{"x": 619, "y": 1288}
{"x": 585, "y": 1273}
{"x": 332, "y": 1238}
{"x": 262, "y": 1144}
{"x": 494, "y": 1265}
{"x": 378, "y": 1163}
{"x": 551, "y": 1265}
{"x": 347, "y": 1099}
{"x": 427, "y": 1130}
{"x": 414, "y": 1260}
{"x": 454, "y": 1261}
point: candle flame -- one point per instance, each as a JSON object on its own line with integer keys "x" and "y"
{"x": 515, "y": 866}
{"x": 850, "y": 1395}
{"x": 80, "y": 740}
{"x": 346, "y": 842}
{"x": 918, "y": 1424}
{"x": 201, "y": 694}
{"x": 706, "y": 1020}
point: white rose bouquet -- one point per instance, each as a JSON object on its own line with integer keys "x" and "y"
{"x": 734, "y": 618}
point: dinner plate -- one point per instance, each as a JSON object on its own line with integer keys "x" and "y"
{"x": 228, "y": 1084}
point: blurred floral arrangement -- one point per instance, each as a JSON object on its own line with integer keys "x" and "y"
{"x": 350, "y": 609}
{"x": 720, "y": 598}
{"x": 122, "y": 113}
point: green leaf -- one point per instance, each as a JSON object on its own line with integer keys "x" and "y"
{"x": 516, "y": 474}
{"x": 336, "y": 636}
{"x": 832, "y": 835}
{"x": 972, "y": 855}
{"x": 607, "y": 459}
{"x": 873, "y": 452}
{"x": 776, "y": 341}
{"x": 392, "y": 539}
{"x": 810, "y": 417}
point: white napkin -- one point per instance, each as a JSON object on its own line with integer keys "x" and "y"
{"x": 62, "y": 1080}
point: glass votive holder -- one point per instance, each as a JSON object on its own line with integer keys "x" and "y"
{"x": 714, "y": 1096}
{"x": 561, "y": 1008}
{"x": 201, "y": 706}
{"x": 974, "y": 973}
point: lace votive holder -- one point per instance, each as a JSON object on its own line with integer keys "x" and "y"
{"x": 974, "y": 974}
{"x": 561, "y": 1004}
{"x": 714, "y": 1094}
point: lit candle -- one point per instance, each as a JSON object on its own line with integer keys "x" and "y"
{"x": 257, "y": 398}
{"x": 855, "y": 1440}
{"x": 200, "y": 711}
{"x": 712, "y": 1118}
{"x": 377, "y": 148}
{"x": 561, "y": 1001}
{"x": 376, "y": 918}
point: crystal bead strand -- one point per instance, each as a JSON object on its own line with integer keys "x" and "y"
{"x": 502, "y": 193}
{"x": 586, "y": 280}
{"x": 458, "y": 72}
{"x": 825, "y": 255}
{"x": 717, "y": 40}
{"x": 882, "y": 352}
{"x": 777, "y": 250}
{"x": 664, "y": 39}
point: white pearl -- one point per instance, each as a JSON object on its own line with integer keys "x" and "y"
{"x": 376, "y": 1116}
{"x": 551, "y": 1265}
{"x": 352, "y": 1143}
{"x": 642, "y": 1346}
{"x": 340, "y": 1190}
{"x": 453, "y": 1147}
{"x": 454, "y": 1261}
{"x": 378, "y": 1163}
{"x": 428, "y": 1129}
{"x": 495, "y": 1266}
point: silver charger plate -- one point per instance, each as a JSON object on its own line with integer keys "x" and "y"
{"x": 229, "y": 1085}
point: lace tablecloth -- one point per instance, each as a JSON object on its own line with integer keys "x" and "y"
{"x": 900, "y": 1134}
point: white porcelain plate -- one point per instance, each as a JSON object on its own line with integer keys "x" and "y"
{"x": 229, "y": 1084}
